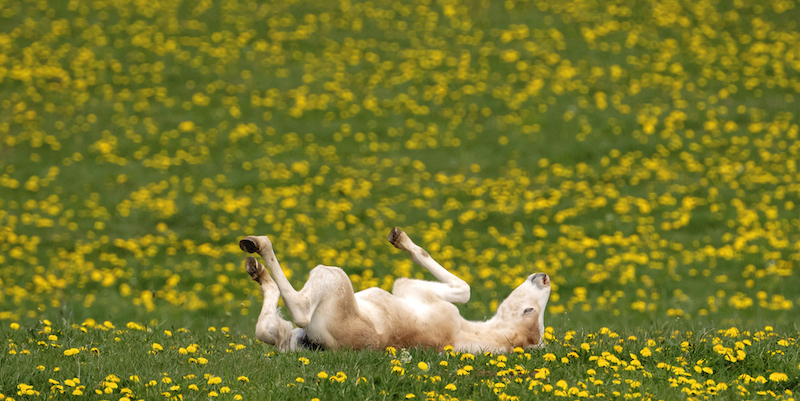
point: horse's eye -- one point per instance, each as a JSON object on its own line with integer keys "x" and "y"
{"x": 527, "y": 311}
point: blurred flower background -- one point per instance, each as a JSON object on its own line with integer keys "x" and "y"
{"x": 644, "y": 155}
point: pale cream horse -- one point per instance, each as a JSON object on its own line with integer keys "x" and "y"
{"x": 328, "y": 314}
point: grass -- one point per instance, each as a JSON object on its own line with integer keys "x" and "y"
{"x": 62, "y": 361}
{"x": 643, "y": 155}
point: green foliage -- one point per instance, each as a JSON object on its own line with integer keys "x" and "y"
{"x": 84, "y": 361}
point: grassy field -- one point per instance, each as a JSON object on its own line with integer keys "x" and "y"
{"x": 644, "y": 155}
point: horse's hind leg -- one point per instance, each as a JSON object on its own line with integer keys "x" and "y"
{"x": 271, "y": 328}
{"x": 298, "y": 304}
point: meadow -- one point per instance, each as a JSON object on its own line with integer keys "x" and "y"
{"x": 644, "y": 155}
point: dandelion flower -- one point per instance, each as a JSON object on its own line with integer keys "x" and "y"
{"x": 778, "y": 377}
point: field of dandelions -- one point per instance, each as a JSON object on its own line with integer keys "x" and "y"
{"x": 643, "y": 154}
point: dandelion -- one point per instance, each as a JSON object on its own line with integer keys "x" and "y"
{"x": 71, "y": 351}
{"x": 778, "y": 377}
{"x": 422, "y": 366}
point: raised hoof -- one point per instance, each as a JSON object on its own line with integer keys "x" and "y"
{"x": 248, "y": 245}
{"x": 394, "y": 237}
{"x": 253, "y": 268}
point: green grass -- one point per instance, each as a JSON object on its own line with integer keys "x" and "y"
{"x": 216, "y": 362}
{"x": 643, "y": 155}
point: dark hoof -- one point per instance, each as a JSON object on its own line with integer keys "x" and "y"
{"x": 394, "y": 236}
{"x": 252, "y": 268}
{"x": 248, "y": 245}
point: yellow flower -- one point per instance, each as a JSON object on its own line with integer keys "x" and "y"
{"x": 645, "y": 352}
{"x": 243, "y": 379}
{"x": 14, "y": 326}
{"x": 157, "y": 347}
{"x": 322, "y": 375}
{"x": 71, "y": 351}
{"x": 778, "y": 377}
{"x": 214, "y": 380}
{"x": 422, "y": 366}
{"x": 450, "y": 387}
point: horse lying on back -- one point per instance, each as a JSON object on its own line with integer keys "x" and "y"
{"x": 329, "y": 314}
